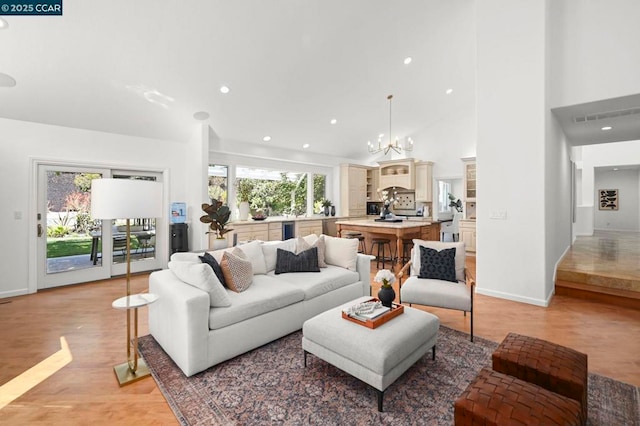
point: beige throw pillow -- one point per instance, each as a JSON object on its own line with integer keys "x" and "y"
{"x": 302, "y": 244}
{"x": 341, "y": 252}
{"x": 237, "y": 270}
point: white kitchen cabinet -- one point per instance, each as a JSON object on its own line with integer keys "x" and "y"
{"x": 353, "y": 190}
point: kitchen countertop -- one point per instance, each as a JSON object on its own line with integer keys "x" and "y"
{"x": 284, "y": 219}
{"x": 393, "y": 225}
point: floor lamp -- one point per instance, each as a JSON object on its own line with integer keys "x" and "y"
{"x": 127, "y": 199}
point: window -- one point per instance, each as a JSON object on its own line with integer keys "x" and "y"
{"x": 279, "y": 192}
{"x": 444, "y": 188}
{"x": 218, "y": 176}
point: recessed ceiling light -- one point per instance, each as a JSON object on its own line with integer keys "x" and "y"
{"x": 408, "y": 60}
{"x": 266, "y": 138}
{"x": 334, "y": 121}
{"x": 381, "y": 135}
{"x": 615, "y": 169}
{"x": 449, "y": 91}
{"x": 305, "y": 146}
{"x": 3, "y": 24}
{"x": 224, "y": 89}
{"x": 607, "y": 128}
{"x": 201, "y": 115}
{"x": 6, "y": 80}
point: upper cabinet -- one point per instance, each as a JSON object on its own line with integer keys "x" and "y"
{"x": 373, "y": 184}
{"x": 469, "y": 187}
{"x": 424, "y": 181}
{"x": 398, "y": 173}
{"x": 353, "y": 190}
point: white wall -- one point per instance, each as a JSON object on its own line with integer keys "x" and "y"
{"x": 593, "y": 156}
{"x": 627, "y": 217}
{"x": 22, "y": 141}
{"x": 512, "y": 127}
{"x": 595, "y": 51}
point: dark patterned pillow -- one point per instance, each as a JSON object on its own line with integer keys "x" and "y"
{"x": 438, "y": 265}
{"x": 305, "y": 261}
{"x": 211, "y": 261}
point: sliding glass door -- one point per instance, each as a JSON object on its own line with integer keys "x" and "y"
{"x": 72, "y": 246}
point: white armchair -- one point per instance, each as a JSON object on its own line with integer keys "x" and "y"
{"x": 452, "y": 228}
{"x": 455, "y": 294}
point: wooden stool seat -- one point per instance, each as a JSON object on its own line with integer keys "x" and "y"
{"x": 381, "y": 256}
{"x": 554, "y": 367}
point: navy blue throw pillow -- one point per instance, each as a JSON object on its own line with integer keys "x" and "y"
{"x": 217, "y": 269}
{"x": 438, "y": 265}
{"x": 305, "y": 261}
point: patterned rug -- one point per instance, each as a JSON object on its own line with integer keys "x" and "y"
{"x": 271, "y": 385}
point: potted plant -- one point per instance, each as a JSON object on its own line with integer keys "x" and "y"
{"x": 457, "y": 204}
{"x": 217, "y": 217}
{"x": 386, "y": 295}
{"x": 244, "y": 189}
{"x": 326, "y": 204}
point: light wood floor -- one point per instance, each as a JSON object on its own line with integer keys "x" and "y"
{"x": 85, "y": 390}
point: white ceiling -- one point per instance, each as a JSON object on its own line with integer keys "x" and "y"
{"x": 145, "y": 67}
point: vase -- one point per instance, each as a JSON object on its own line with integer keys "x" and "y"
{"x": 220, "y": 243}
{"x": 244, "y": 210}
{"x": 333, "y": 210}
{"x": 326, "y": 211}
{"x": 386, "y": 295}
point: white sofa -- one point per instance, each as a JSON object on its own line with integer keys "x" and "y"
{"x": 197, "y": 336}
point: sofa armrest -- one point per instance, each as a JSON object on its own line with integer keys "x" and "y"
{"x": 179, "y": 320}
{"x": 363, "y": 267}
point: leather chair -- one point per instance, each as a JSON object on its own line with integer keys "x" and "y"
{"x": 435, "y": 292}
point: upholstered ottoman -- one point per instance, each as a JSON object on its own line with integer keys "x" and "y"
{"x": 554, "y": 367}
{"x": 376, "y": 356}
{"x": 494, "y": 398}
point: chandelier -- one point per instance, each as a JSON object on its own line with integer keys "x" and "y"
{"x": 396, "y": 146}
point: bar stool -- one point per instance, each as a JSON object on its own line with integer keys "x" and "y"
{"x": 381, "y": 243}
{"x": 362, "y": 248}
{"x": 407, "y": 245}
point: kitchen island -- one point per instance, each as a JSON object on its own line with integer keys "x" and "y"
{"x": 407, "y": 229}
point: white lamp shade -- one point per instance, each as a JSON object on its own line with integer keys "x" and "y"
{"x": 125, "y": 199}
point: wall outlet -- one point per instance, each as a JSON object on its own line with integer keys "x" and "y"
{"x": 17, "y": 215}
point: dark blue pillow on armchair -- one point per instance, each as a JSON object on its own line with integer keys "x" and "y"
{"x": 305, "y": 261}
{"x": 438, "y": 265}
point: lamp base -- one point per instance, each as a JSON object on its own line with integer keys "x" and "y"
{"x": 126, "y": 376}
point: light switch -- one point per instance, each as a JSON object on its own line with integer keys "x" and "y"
{"x": 498, "y": 214}
{"x": 17, "y": 215}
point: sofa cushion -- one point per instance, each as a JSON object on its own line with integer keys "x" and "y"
{"x": 438, "y": 265}
{"x": 237, "y": 270}
{"x": 215, "y": 266}
{"x": 267, "y": 293}
{"x": 438, "y": 245}
{"x": 201, "y": 276}
{"x": 341, "y": 252}
{"x": 253, "y": 251}
{"x": 438, "y": 293}
{"x": 309, "y": 241}
{"x": 185, "y": 257}
{"x": 305, "y": 261}
{"x": 331, "y": 278}
{"x": 270, "y": 250}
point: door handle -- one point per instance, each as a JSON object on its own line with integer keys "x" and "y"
{"x": 39, "y": 230}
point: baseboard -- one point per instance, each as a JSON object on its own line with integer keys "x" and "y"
{"x": 14, "y": 293}
{"x": 515, "y": 297}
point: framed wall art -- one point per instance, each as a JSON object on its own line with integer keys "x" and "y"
{"x": 608, "y": 199}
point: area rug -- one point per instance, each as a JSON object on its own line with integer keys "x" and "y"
{"x": 270, "y": 385}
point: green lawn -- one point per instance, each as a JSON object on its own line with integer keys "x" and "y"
{"x": 75, "y": 245}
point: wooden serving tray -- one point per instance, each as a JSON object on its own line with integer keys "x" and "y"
{"x": 377, "y": 322}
